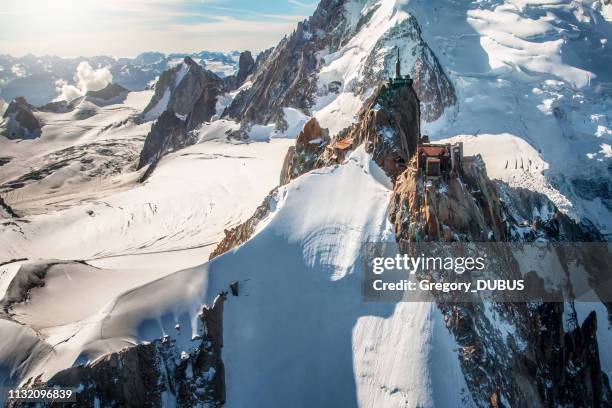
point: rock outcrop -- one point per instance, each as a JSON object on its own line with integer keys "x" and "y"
{"x": 167, "y": 134}
{"x": 185, "y": 97}
{"x": 240, "y": 234}
{"x": 246, "y": 65}
{"x": 6, "y": 211}
{"x": 153, "y": 375}
{"x": 58, "y": 106}
{"x": 110, "y": 94}
{"x": 434, "y": 89}
{"x": 388, "y": 126}
{"x": 19, "y": 121}
{"x": 187, "y": 89}
{"x": 307, "y": 152}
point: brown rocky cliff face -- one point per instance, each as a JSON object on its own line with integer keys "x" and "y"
{"x": 449, "y": 210}
{"x": 243, "y": 232}
{"x": 306, "y": 155}
{"x": 542, "y": 364}
{"x": 389, "y": 126}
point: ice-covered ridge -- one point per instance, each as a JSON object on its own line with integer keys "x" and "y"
{"x": 347, "y": 65}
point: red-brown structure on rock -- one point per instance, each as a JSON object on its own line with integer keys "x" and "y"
{"x": 437, "y": 160}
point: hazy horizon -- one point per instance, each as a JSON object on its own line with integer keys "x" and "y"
{"x": 126, "y": 28}
{"x": 69, "y": 57}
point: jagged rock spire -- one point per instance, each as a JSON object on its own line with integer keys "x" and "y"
{"x": 398, "y": 67}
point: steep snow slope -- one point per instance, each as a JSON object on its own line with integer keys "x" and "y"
{"x": 538, "y": 71}
{"x": 303, "y": 304}
{"x": 318, "y": 343}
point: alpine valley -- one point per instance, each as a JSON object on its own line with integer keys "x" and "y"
{"x": 187, "y": 230}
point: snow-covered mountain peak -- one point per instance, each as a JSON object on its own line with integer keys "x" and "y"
{"x": 536, "y": 71}
{"x": 333, "y": 61}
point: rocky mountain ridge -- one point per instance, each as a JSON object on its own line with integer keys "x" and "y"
{"x": 291, "y": 73}
{"x": 185, "y": 97}
{"x": 19, "y": 121}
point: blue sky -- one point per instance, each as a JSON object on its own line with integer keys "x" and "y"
{"x": 128, "y": 27}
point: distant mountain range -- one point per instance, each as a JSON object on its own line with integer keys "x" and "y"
{"x": 35, "y": 77}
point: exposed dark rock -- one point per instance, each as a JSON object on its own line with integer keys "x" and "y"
{"x": 595, "y": 187}
{"x": 205, "y": 106}
{"x": 7, "y": 208}
{"x": 389, "y": 126}
{"x": 20, "y": 121}
{"x": 241, "y": 233}
{"x": 235, "y": 288}
{"x": 189, "y": 85}
{"x": 192, "y": 101}
{"x": 434, "y": 89}
{"x": 567, "y": 370}
{"x": 246, "y": 65}
{"x": 29, "y": 276}
{"x": 167, "y": 134}
{"x": 150, "y": 375}
{"x": 550, "y": 366}
{"x": 57, "y": 107}
{"x": 286, "y": 75}
{"x": 309, "y": 146}
{"x": 5, "y": 160}
{"x": 111, "y": 94}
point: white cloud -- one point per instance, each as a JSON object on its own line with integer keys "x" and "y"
{"x": 300, "y": 3}
{"x": 86, "y": 79}
{"x": 89, "y": 79}
{"x": 66, "y": 92}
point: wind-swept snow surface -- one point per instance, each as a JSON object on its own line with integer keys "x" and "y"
{"x": 535, "y": 70}
{"x": 192, "y": 197}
